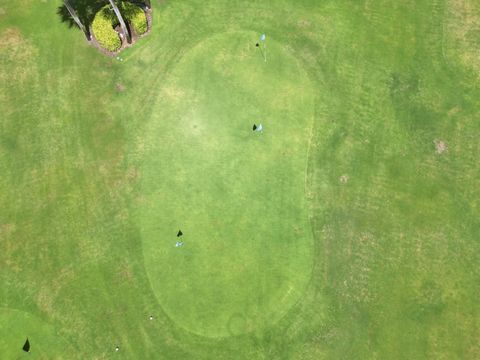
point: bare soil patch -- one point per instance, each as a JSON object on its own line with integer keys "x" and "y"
{"x": 120, "y": 87}
{"x": 440, "y": 146}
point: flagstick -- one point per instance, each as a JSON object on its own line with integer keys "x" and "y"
{"x": 263, "y": 39}
{"x": 265, "y": 48}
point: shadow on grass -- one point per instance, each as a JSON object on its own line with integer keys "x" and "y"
{"x": 85, "y": 9}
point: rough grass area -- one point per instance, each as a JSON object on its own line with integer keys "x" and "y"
{"x": 348, "y": 229}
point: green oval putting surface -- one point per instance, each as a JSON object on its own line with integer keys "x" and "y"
{"x": 16, "y": 326}
{"x": 237, "y": 195}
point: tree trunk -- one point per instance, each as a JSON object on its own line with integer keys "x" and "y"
{"x": 120, "y": 19}
{"x": 75, "y": 17}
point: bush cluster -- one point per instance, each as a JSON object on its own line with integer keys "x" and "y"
{"x": 135, "y": 16}
{"x": 105, "y": 20}
{"x": 102, "y": 27}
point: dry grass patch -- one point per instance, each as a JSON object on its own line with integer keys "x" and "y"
{"x": 173, "y": 93}
{"x": 357, "y": 287}
{"x": 10, "y": 37}
{"x": 125, "y": 272}
{"x": 17, "y": 57}
{"x": 461, "y": 29}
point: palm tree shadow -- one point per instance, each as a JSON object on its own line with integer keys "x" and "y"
{"x": 86, "y": 10}
{"x": 65, "y": 17}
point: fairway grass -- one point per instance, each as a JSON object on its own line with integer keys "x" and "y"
{"x": 347, "y": 229}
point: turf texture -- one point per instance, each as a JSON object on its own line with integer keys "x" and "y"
{"x": 347, "y": 229}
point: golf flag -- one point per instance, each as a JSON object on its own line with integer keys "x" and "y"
{"x": 263, "y": 37}
{"x": 26, "y": 347}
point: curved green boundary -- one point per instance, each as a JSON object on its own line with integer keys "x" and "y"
{"x": 102, "y": 27}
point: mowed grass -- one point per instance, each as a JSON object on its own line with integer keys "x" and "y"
{"x": 375, "y": 105}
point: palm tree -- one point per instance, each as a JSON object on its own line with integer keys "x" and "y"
{"x": 75, "y": 17}
{"x": 120, "y": 19}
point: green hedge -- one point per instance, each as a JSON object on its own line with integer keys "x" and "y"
{"x": 102, "y": 27}
{"x": 105, "y": 19}
{"x": 135, "y": 16}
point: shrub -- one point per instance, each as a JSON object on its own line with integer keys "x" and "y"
{"x": 102, "y": 27}
{"x": 135, "y": 16}
{"x": 105, "y": 20}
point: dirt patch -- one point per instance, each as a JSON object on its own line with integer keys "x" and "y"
{"x": 440, "y": 146}
{"x": 120, "y": 87}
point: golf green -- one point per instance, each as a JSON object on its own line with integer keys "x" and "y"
{"x": 16, "y": 326}
{"x": 237, "y": 195}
